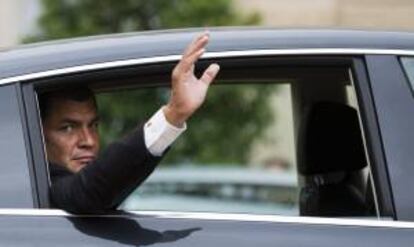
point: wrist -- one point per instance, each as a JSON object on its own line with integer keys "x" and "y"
{"x": 174, "y": 117}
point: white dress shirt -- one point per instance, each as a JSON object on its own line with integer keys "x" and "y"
{"x": 159, "y": 134}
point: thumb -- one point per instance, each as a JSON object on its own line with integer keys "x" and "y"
{"x": 210, "y": 73}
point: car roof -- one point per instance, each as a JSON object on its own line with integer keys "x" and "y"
{"x": 45, "y": 56}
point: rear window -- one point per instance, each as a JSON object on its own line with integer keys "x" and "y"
{"x": 408, "y": 64}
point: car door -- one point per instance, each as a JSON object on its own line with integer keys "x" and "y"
{"x": 393, "y": 100}
{"x": 55, "y": 228}
{"x": 45, "y": 227}
{"x": 16, "y": 190}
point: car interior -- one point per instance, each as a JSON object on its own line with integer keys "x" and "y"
{"x": 332, "y": 161}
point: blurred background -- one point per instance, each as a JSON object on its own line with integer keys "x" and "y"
{"x": 263, "y": 139}
{"x": 21, "y": 18}
{"x": 25, "y": 21}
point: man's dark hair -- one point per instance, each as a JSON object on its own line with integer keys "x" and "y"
{"x": 79, "y": 94}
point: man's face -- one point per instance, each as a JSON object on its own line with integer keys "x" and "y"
{"x": 71, "y": 133}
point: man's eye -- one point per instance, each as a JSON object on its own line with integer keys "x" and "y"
{"x": 95, "y": 125}
{"x": 67, "y": 128}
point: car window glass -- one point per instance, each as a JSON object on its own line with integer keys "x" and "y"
{"x": 408, "y": 64}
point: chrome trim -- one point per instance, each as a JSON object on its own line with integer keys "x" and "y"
{"x": 97, "y": 66}
{"x": 224, "y": 54}
{"x": 220, "y": 216}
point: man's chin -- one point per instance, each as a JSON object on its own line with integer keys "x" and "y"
{"x": 78, "y": 167}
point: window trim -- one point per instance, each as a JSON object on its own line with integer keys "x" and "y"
{"x": 219, "y": 216}
{"x": 35, "y": 145}
{"x": 357, "y": 65}
{"x": 26, "y": 133}
{"x": 207, "y": 55}
{"x": 372, "y": 136}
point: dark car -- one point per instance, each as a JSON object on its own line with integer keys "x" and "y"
{"x": 350, "y": 107}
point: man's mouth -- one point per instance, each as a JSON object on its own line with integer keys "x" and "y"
{"x": 84, "y": 160}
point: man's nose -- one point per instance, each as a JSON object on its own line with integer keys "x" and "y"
{"x": 87, "y": 138}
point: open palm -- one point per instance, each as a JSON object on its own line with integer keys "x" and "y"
{"x": 189, "y": 92}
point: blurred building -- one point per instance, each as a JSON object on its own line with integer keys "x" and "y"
{"x": 17, "y": 19}
{"x": 378, "y": 14}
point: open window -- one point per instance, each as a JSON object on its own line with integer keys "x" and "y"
{"x": 275, "y": 136}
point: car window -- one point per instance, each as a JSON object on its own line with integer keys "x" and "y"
{"x": 290, "y": 146}
{"x": 233, "y": 157}
{"x": 408, "y": 65}
{"x": 283, "y": 140}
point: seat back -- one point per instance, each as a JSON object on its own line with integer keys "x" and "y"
{"x": 330, "y": 157}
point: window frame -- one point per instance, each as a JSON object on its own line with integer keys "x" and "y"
{"x": 394, "y": 100}
{"x": 36, "y": 146}
{"x": 372, "y": 135}
{"x": 355, "y": 62}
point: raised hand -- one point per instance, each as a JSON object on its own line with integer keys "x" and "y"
{"x": 189, "y": 92}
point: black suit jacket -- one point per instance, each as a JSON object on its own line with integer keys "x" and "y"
{"x": 104, "y": 184}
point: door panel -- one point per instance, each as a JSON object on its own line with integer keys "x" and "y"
{"x": 147, "y": 230}
{"x": 15, "y": 187}
{"x": 394, "y": 104}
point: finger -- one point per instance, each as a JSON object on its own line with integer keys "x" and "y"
{"x": 191, "y": 47}
{"x": 188, "y": 48}
{"x": 199, "y": 43}
{"x": 210, "y": 73}
{"x": 186, "y": 63}
{"x": 192, "y": 53}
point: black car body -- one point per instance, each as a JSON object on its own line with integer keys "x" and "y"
{"x": 376, "y": 64}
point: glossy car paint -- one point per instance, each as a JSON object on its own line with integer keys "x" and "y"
{"x": 181, "y": 229}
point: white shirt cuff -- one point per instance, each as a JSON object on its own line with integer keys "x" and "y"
{"x": 159, "y": 134}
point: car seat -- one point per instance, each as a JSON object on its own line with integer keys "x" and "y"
{"x": 330, "y": 159}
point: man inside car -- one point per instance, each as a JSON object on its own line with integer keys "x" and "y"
{"x": 82, "y": 181}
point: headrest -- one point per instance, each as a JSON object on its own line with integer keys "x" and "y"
{"x": 329, "y": 140}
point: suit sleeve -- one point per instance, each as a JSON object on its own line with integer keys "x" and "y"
{"x": 104, "y": 184}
